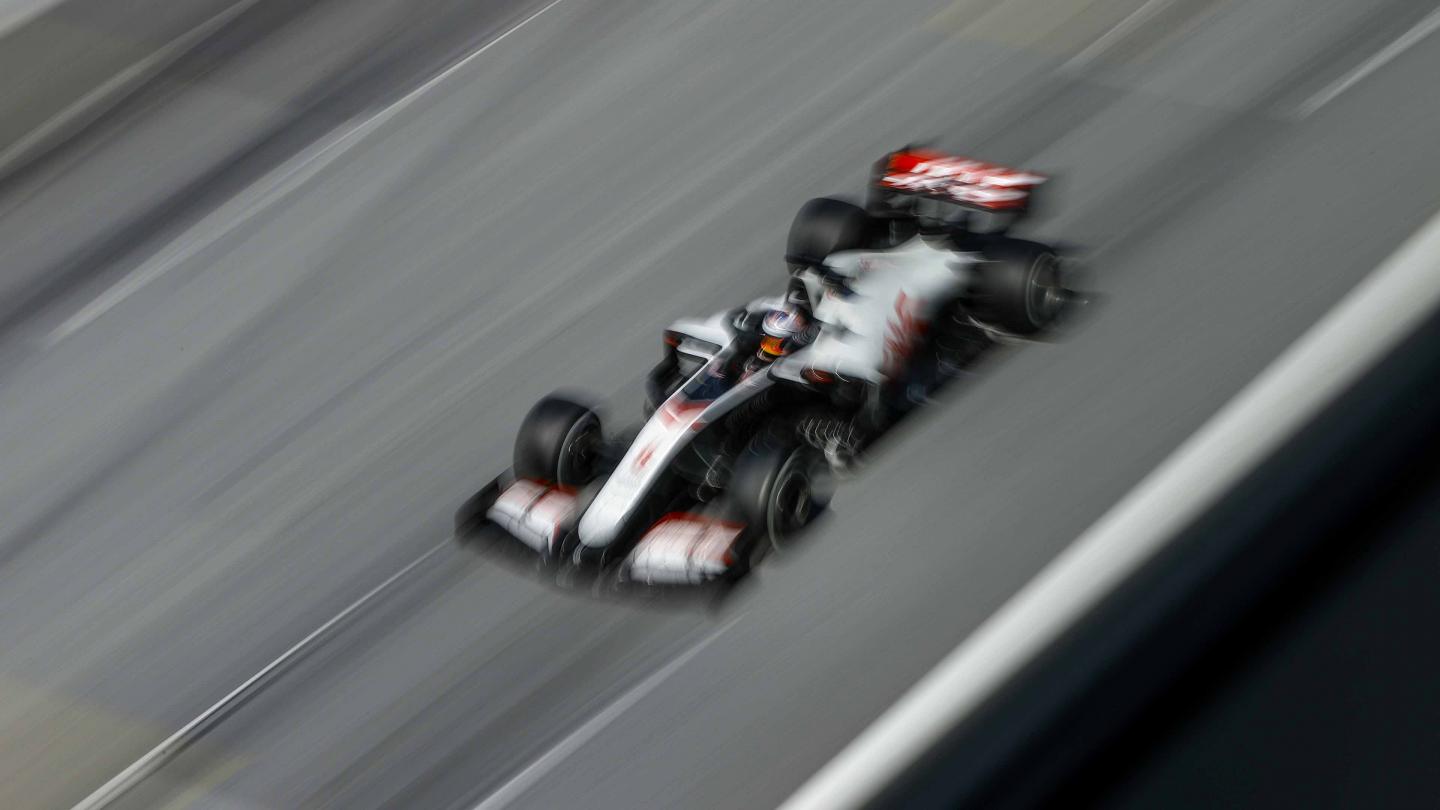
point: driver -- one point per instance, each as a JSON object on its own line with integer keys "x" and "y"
{"x": 783, "y": 331}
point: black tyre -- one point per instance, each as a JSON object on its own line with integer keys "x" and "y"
{"x": 559, "y": 441}
{"x": 824, "y": 226}
{"x": 779, "y": 488}
{"x": 1020, "y": 288}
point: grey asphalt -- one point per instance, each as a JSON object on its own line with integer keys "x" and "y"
{"x": 308, "y": 383}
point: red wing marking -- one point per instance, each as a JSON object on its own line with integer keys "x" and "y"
{"x": 694, "y": 536}
{"x": 903, "y": 333}
{"x": 645, "y": 456}
{"x": 672, "y": 412}
{"x": 984, "y": 185}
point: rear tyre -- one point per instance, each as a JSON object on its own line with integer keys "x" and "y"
{"x": 559, "y": 442}
{"x": 1020, "y": 288}
{"x": 823, "y": 226}
{"x": 779, "y": 488}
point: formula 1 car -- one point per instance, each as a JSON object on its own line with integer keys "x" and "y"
{"x": 751, "y": 411}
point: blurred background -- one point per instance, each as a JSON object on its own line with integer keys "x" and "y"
{"x": 279, "y": 278}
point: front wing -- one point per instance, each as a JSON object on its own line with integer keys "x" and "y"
{"x": 525, "y": 518}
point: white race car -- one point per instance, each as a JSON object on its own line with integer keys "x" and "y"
{"x": 752, "y": 410}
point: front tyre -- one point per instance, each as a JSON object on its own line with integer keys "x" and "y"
{"x": 779, "y": 488}
{"x": 559, "y": 442}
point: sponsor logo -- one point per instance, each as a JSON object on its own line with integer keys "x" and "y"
{"x": 645, "y": 456}
{"x": 902, "y": 333}
{"x": 975, "y": 182}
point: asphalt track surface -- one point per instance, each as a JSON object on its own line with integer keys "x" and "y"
{"x": 280, "y": 313}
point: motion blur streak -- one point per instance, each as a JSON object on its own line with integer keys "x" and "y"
{"x": 74, "y": 115}
{"x": 1384, "y": 309}
{"x": 1422, "y": 29}
{"x": 536, "y": 770}
{"x": 263, "y": 193}
{"x": 293, "y": 411}
{"x": 1124, "y": 28}
{"x": 175, "y": 743}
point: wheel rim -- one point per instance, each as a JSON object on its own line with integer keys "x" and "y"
{"x": 796, "y": 497}
{"x": 792, "y": 504}
{"x": 1045, "y": 295}
{"x": 578, "y": 453}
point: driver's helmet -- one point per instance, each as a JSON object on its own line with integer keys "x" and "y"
{"x": 782, "y": 332}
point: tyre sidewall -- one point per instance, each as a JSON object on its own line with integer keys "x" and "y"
{"x": 762, "y": 487}
{"x": 1016, "y": 287}
{"x": 549, "y": 445}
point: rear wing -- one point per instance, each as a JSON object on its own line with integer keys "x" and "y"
{"x": 926, "y": 173}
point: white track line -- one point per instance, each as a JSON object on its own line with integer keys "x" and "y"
{"x": 273, "y": 187}
{"x": 535, "y": 771}
{"x": 1420, "y": 31}
{"x": 1329, "y": 357}
{"x": 175, "y": 743}
{"x": 109, "y": 93}
{"x": 1122, "y": 29}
